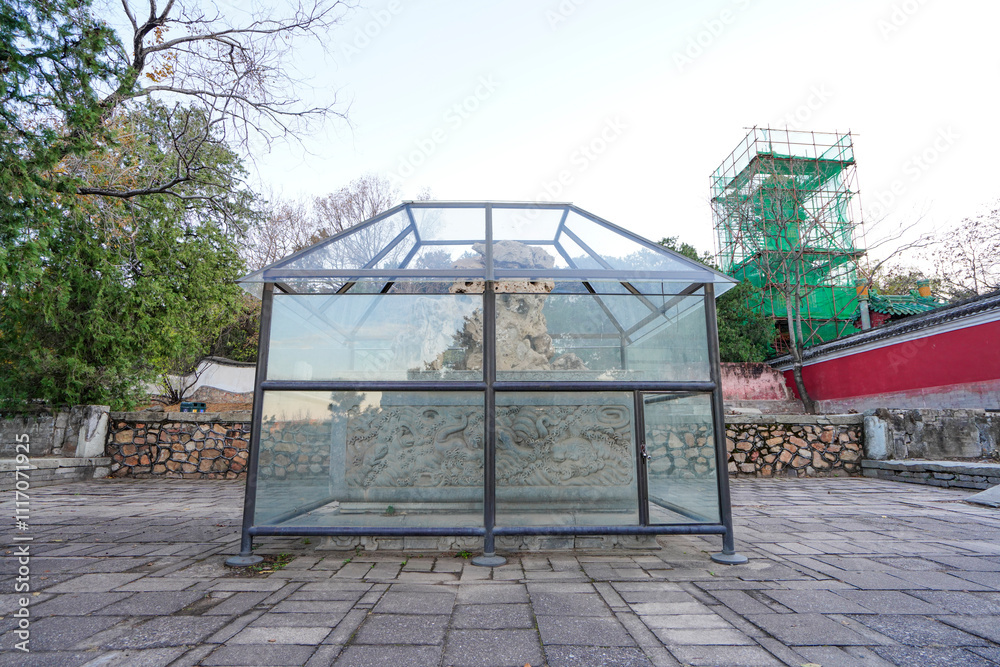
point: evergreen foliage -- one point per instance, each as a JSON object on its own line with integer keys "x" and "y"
{"x": 744, "y": 333}
{"x": 98, "y": 295}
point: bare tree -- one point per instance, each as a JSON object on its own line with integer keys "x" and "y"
{"x": 286, "y": 225}
{"x": 234, "y": 69}
{"x": 363, "y": 198}
{"x": 968, "y": 256}
{"x": 897, "y": 277}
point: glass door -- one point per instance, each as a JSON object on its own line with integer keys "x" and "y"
{"x": 680, "y": 458}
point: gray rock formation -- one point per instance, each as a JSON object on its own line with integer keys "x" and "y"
{"x": 523, "y": 340}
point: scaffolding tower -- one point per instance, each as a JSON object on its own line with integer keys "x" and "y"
{"x": 784, "y": 213}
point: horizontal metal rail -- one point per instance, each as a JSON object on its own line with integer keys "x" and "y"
{"x": 664, "y": 529}
{"x": 618, "y": 385}
{"x": 364, "y": 531}
{"x": 581, "y": 386}
{"x": 322, "y": 385}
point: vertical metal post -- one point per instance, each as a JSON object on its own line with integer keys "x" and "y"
{"x": 246, "y": 556}
{"x": 642, "y": 479}
{"x": 728, "y": 555}
{"x": 489, "y": 557}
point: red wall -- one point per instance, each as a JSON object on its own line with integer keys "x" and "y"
{"x": 971, "y": 354}
{"x": 753, "y": 382}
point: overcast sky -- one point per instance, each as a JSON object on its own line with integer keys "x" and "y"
{"x": 633, "y": 104}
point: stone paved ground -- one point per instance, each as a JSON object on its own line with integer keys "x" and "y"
{"x": 843, "y": 572}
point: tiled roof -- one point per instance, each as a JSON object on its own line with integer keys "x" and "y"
{"x": 902, "y": 304}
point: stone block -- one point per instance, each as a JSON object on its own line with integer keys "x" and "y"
{"x": 481, "y": 647}
{"x": 808, "y": 629}
{"x": 91, "y": 424}
{"x": 258, "y": 654}
{"x": 493, "y": 616}
{"x": 402, "y": 629}
{"x": 583, "y": 631}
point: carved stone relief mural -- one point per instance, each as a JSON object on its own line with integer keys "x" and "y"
{"x": 522, "y": 337}
{"x": 564, "y": 445}
{"x": 537, "y": 446}
{"x": 421, "y": 446}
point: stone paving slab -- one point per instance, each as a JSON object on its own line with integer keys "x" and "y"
{"x": 843, "y": 572}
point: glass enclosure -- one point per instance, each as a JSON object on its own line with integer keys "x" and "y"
{"x": 487, "y": 369}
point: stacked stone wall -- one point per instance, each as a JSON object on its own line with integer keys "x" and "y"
{"x": 201, "y": 446}
{"x": 295, "y": 450}
{"x": 215, "y": 446}
{"x": 683, "y": 453}
{"x": 938, "y": 434}
{"x": 808, "y": 446}
{"x": 79, "y": 431}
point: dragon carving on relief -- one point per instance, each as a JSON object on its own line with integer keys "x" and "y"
{"x": 434, "y": 446}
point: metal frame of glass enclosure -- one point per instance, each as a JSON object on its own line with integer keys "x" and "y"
{"x": 526, "y": 259}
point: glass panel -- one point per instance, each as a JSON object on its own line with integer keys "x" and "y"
{"x": 546, "y": 337}
{"x": 566, "y": 459}
{"x": 649, "y": 288}
{"x": 578, "y": 258}
{"x": 449, "y": 257}
{"x": 526, "y": 224}
{"x": 357, "y": 249}
{"x": 451, "y": 224}
{"x": 614, "y": 287}
{"x": 682, "y": 471}
{"x": 366, "y": 337}
{"x": 620, "y": 251}
{"x": 405, "y": 459}
{"x": 517, "y": 255}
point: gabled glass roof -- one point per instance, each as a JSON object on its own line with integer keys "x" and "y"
{"x": 449, "y": 241}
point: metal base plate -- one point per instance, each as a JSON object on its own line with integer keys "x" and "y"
{"x": 489, "y": 560}
{"x": 243, "y": 561}
{"x": 730, "y": 559}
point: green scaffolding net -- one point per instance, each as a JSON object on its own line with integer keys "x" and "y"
{"x": 784, "y": 214}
